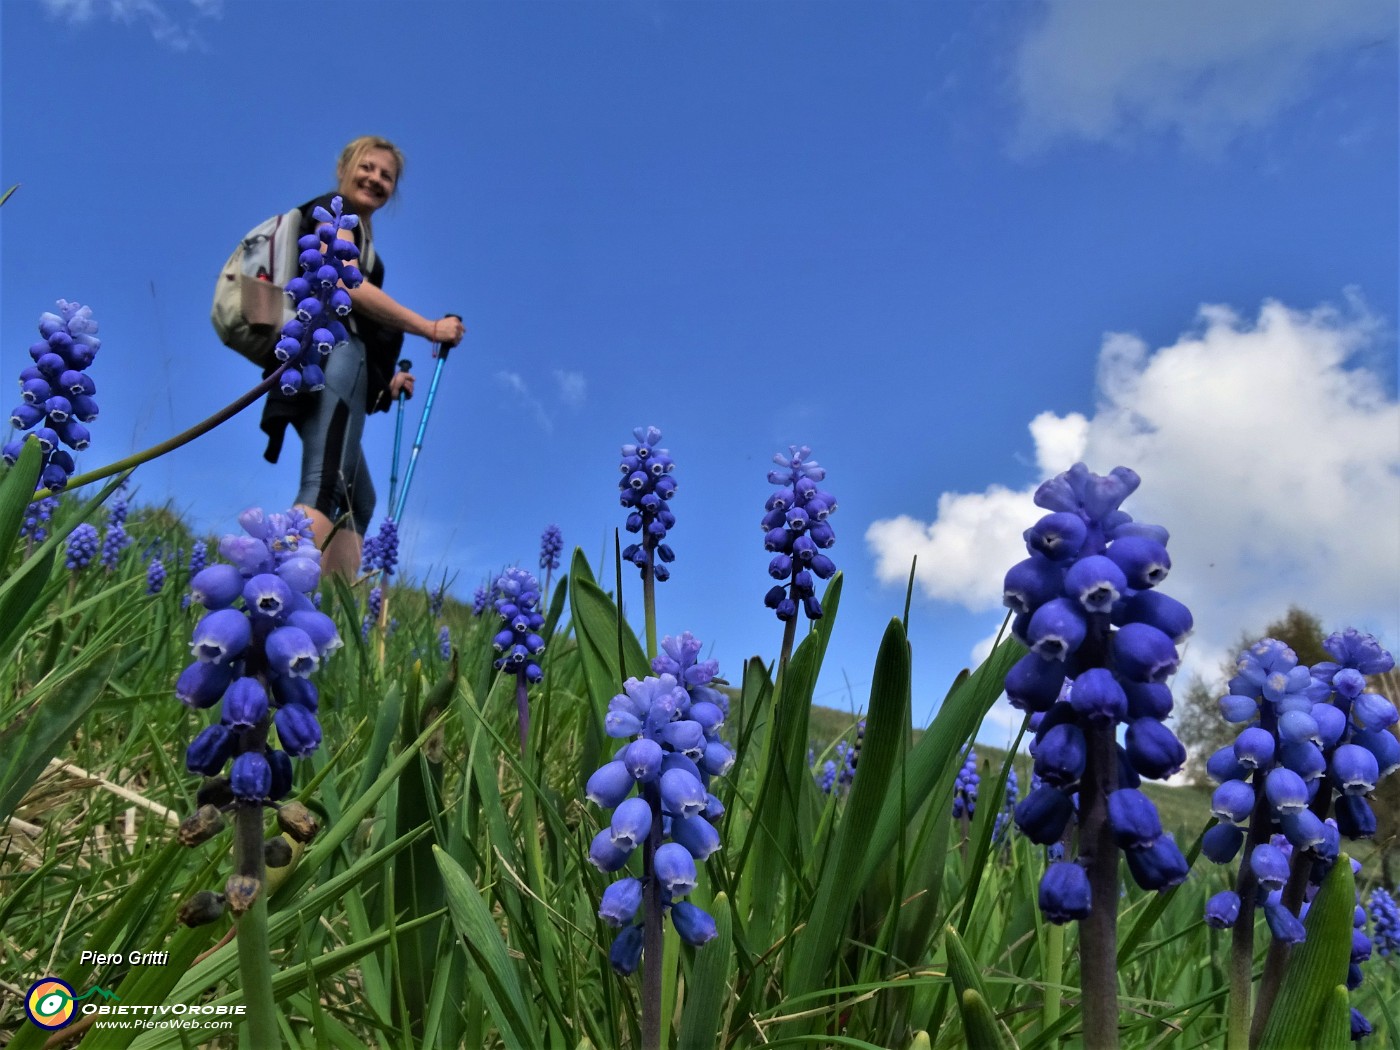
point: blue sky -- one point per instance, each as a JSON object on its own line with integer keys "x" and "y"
{"x": 952, "y": 247}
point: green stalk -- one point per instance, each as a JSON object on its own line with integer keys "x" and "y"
{"x": 522, "y": 707}
{"x": 649, "y": 596}
{"x": 1098, "y": 933}
{"x": 1054, "y": 976}
{"x": 254, "y": 950}
{"x": 652, "y": 944}
{"x": 1242, "y": 935}
{"x": 170, "y": 444}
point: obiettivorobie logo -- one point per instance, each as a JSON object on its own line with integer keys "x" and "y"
{"x": 50, "y": 1002}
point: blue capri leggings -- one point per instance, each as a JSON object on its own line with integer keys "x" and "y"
{"x": 334, "y": 478}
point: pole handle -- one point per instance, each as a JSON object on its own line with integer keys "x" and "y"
{"x": 440, "y": 350}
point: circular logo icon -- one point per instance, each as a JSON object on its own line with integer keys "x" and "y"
{"x": 50, "y": 1003}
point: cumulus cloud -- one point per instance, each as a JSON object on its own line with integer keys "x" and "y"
{"x": 1269, "y": 447}
{"x": 171, "y": 24}
{"x": 1202, "y": 69}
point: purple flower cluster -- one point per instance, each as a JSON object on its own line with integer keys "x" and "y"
{"x": 57, "y": 394}
{"x": 37, "y": 517}
{"x": 82, "y": 546}
{"x": 435, "y": 600}
{"x": 1086, "y": 606}
{"x": 255, "y": 650}
{"x": 321, "y": 304}
{"x": 672, "y": 722}
{"x": 481, "y": 598}
{"x": 1385, "y": 922}
{"x": 1312, "y": 741}
{"x": 444, "y": 642}
{"x": 796, "y": 530}
{"x": 551, "y": 543}
{"x": 381, "y": 552}
{"x": 516, "y": 596}
{"x": 199, "y": 557}
{"x": 646, "y": 490}
{"x": 965, "y": 788}
{"x": 115, "y": 540}
{"x": 1008, "y": 805}
{"x": 155, "y": 575}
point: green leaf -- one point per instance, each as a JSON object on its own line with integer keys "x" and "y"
{"x": 819, "y": 942}
{"x": 931, "y": 761}
{"x": 979, "y": 1023}
{"x": 708, "y": 986}
{"x": 504, "y": 997}
{"x": 16, "y": 493}
{"x": 1316, "y": 966}
{"x": 1334, "y": 1026}
{"x": 43, "y": 730}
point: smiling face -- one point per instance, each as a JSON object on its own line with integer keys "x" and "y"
{"x": 367, "y": 181}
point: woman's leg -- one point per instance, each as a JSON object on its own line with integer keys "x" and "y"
{"x": 331, "y": 457}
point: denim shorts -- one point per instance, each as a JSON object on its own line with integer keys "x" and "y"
{"x": 334, "y": 478}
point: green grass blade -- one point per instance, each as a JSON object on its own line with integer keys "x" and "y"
{"x": 505, "y": 999}
{"x": 41, "y": 732}
{"x": 1316, "y": 966}
{"x": 702, "y": 1025}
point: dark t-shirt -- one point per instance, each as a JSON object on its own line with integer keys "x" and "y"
{"x": 383, "y": 346}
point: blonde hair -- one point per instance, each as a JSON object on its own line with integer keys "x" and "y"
{"x": 357, "y": 148}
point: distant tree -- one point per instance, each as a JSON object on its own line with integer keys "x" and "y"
{"x": 1198, "y": 721}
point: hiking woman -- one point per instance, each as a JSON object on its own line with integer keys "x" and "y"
{"x": 361, "y": 376}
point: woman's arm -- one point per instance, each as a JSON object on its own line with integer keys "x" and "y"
{"x": 380, "y": 306}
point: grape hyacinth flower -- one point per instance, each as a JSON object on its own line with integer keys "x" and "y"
{"x": 35, "y": 525}
{"x": 57, "y": 394}
{"x": 381, "y": 551}
{"x": 1008, "y": 805}
{"x": 199, "y": 557}
{"x": 1084, "y": 603}
{"x": 155, "y": 576}
{"x": 321, "y": 305}
{"x": 796, "y": 530}
{"x": 551, "y": 544}
{"x": 1385, "y": 922}
{"x": 444, "y": 642}
{"x": 672, "y": 724}
{"x": 646, "y": 489}
{"x": 1313, "y": 744}
{"x": 115, "y": 540}
{"x": 517, "y": 599}
{"x": 255, "y": 649}
{"x": 965, "y": 789}
{"x": 82, "y": 546}
{"x": 481, "y": 598}
{"x": 435, "y": 599}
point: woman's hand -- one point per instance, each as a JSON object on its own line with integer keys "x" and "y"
{"x": 401, "y": 383}
{"x": 447, "y": 331}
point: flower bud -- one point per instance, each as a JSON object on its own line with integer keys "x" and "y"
{"x": 297, "y": 821}
{"x": 200, "y": 826}
{"x": 204, "y": 907}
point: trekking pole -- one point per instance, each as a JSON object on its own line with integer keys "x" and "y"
{"x": 441, "y": 354}
{"x": 404, "y": 366}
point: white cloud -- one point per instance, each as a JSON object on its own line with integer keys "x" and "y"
{"x": 1202, "y": 69}
{"x": 171, "y": 24}
{"x": 1269, "y": 448}
{"x": 573, "y": 388}
{"x": 514, "y": 382}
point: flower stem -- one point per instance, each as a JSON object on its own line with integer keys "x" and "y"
{"x": 1098, "y": 933}
{"x": 649, "y": 597}
{"x": 1054, "y": 975}
{"x": 652, "y": 969}
{"x": 1242, "y": 935}
{"x": 254, "y": 950}
{"x": 1293, "y": 892}
{"x": 170, "y": 444}
{"x": 522, "y": 708}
